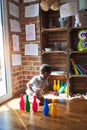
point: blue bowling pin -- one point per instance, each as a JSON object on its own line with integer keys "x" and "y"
{"x": 62, "y": 88}
{"x": 46, "y": 107}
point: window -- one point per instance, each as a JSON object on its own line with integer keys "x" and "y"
{"x": 5, "y": 77}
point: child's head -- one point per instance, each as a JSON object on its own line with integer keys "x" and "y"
{"x": 45, "y": 70}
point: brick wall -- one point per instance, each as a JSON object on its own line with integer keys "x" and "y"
{"x": 21, "y": 74}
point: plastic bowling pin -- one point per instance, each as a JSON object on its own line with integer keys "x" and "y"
{"x": 53, "y": 109}
{"x": 58, "y": 85}
{"x": 66, "y": 89}
{"x": 46, "y": 107}
{"x": 34, "y": 104}
{"x": 62, "y": 88}
{"x": 27, "y": 104}
{"x": 54, "y": 85}
{"x": 62, "y": 83}
{"x": 62, "y": 101}
{"x": 22, "y": 103}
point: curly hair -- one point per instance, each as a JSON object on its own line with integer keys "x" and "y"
{"x": 45, "y": 68}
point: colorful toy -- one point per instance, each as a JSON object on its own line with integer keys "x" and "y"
{"x": 62, "y": 83}
{"x": 62, "y": 101}
{"x": 54, "y": 85}
{"x": 22, "y": 103}
{"x": 27, "y": 104}
{"x": 62, "y": 88}
{"x": 66, "y": 89}
{"x": 46, "y": 107}
{"x": 58, "y": 85}
{"x": 34, "y": 104}
{"x": 53, "y": 109}
{"x": 82, "y": 45}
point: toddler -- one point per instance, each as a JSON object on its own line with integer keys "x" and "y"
{"x": 39, "y": 83}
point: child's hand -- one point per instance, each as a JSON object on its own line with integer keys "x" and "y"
{"x": 55, "y": 93}
{"x": 51, "y": 92}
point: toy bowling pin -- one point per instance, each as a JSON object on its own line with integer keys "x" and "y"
{"x": 66, "y": 89}
{"x": 62, "y": 88}
{"x": 34, "y": 104}
{"x": 54, "y": 85}
{"x": 58, "y": 85}
{"x": 22, "y": 102}
{"x": 27, "y": 104}
{"x": 46, "y": 107}
{"x": 53, "y": 109}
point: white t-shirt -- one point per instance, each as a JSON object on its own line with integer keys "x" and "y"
{"x": 37, "y": 84}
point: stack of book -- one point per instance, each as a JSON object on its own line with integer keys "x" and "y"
{"x": 78, "y": 68}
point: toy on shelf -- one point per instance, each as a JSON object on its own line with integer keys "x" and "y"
{"x": 58, "y": 85}
{"x": 54, "y": 85}
{"x": 66, "y": 89}
{"x": 82, "y": 45}
{"x": 62, "y": 88}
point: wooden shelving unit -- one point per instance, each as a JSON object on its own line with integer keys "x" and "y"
{"x": 78, "y": 82}
{"x": 55, "y": 38}
{"x": 63, "y": 42}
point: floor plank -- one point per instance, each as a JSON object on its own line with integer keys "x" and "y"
{"x": 71, "y": 115}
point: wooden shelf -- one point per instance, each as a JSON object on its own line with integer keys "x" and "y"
{"x": 60, "y": 77}
{"x": 47, "y": 52}
{"x": 60, "y": 59}
{"x": 78, "y": 52}
{"x": 76, "y": 28}
{"x": 74, "y": 76}
{"x": 54, "y": 29}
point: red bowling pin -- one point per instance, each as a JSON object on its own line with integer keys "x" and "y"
{"x": 22, "y": 104}
{"x": 34, "y": 104}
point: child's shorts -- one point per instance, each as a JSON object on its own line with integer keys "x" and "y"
{"x": 39, "y": 96}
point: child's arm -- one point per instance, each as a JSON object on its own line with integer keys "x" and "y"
{"x": 47, "y": 89}
{"x": 29, "y": 86}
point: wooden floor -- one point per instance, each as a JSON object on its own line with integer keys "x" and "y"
{"x": 72, "y": 115}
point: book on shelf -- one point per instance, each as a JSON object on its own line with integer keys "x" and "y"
{"x": 74, "y": 66}
{"x": 78, "y": 69}
{"x": 84, "y": 68}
